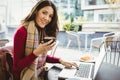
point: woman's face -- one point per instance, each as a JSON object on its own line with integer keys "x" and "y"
{"x": 44, "y": 16}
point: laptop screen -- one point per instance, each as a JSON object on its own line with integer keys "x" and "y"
{"x": 99, "y": 60}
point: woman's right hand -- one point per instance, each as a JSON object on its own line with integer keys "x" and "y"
{"x": 44, "y": 48}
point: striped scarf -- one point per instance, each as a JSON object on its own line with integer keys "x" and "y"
{"x": 32, "y": 42}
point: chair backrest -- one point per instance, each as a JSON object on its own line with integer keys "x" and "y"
{"x": 97, "y": 42}
{"x": 54, "y": 49}
{"x": 3, "y": 42}
{"x": 108, "y": 34}
{"x": 112, "y": 50}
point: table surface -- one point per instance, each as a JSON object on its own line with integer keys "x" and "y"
{"x": 106, "y": 72}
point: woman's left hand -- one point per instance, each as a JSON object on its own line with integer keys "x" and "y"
{"x": 68, "y": 64}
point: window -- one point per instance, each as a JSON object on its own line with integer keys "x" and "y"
{"x": 97, "y": 4}
{"x": 107, "y": 15}
{"x": 67, "y": 7}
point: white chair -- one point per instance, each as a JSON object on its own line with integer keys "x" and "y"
{"x": 75, "y": 36}
{"x": 97, "y": 42}
{"x": 54, "y": 49}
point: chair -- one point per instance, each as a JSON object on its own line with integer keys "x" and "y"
{"x": 54, "y": 49}
{"x": 3, "y": 42}
{"x": 113, "y": 50}
{"x": 3, "y": 45}
{"x": 75, "y": 36}
{"x": 97, "y": 42}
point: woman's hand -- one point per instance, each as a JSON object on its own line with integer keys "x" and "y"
{"x": 44, "y": 48}
{"x": 68, "y": 64}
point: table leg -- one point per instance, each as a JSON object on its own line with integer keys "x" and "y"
{"x": 86, "y": 38}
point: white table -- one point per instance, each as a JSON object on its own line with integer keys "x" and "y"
{"x": 86, "y": 37}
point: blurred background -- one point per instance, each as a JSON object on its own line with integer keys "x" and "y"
{"x": 100, "y": 16}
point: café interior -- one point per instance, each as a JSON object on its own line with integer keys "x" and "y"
{"x": 84, "y": 26}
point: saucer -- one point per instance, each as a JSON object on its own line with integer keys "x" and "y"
{"x": 87, "y": 58}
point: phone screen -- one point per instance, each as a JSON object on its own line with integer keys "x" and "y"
{"x": 46, "y": 39}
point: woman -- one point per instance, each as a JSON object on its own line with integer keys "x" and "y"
{"x": 30, "y": 51}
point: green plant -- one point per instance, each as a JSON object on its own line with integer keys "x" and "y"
{"x": 73, "y": 24}
{"x": 66, "y": 27}
{"x": 71, "y": 27}
{"x": 76, "y": 28}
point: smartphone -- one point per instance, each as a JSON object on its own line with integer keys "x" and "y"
{"x": 46, "y": 39}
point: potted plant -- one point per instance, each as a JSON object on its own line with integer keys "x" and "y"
{"x": 71, "y": 25}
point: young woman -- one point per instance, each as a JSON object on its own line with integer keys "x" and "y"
{"x": 30, "y": 51}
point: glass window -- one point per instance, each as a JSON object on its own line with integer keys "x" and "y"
{"x": 95, "y": 2}
{"x": 64, "y": 1}
{"x": 106, "y": 17}
{"x": 13, "y": 15}
{"x": 69, "y": 6}
{"x": 89, "y": 15}
{"x": 66, "y": 8}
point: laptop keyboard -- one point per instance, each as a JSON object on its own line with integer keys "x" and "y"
{"x": 83, "y": 70}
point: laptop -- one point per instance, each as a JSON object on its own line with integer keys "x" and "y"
{"x": 87, "y": 71}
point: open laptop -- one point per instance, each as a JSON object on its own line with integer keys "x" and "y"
{"x": 87, "y": 71}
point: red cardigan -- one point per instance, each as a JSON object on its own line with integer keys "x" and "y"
{"x": 19, "y": 61}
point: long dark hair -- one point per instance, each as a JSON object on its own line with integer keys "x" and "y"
{"x": 52, "y": 28}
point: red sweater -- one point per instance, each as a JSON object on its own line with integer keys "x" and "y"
{"x": 20, "y": 61}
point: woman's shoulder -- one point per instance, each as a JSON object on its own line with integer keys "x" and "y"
{"x": 21, "y": 28}
{"x": 21, "y": 31}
